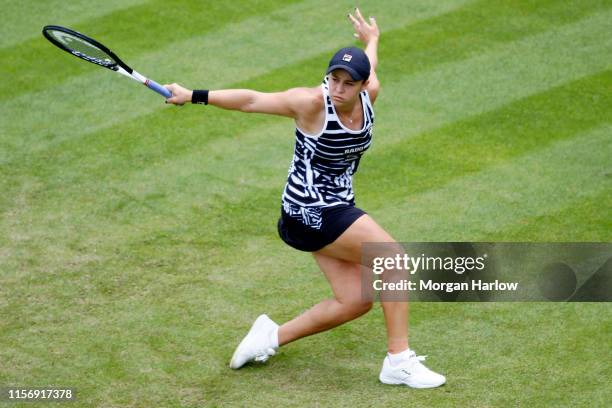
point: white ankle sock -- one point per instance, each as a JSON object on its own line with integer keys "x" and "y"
{"x": 395, "y": 359}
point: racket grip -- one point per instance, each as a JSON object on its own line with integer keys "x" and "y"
{"x": 151, "y": 84}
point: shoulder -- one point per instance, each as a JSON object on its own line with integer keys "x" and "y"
{"x": 309, "y": 100}
{"x": 311, "y": 113}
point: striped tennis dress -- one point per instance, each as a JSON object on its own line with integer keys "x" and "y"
{"x": 320, "y": 174}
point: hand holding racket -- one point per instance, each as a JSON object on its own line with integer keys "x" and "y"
{"x": 180, "y": 95}
{"x": 90, "y": 50}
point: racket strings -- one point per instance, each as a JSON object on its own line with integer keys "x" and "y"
{"x": 83, "y": 49}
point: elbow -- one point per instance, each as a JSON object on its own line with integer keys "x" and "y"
{"x": 249, "y": 106}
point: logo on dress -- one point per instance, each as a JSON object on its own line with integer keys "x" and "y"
{"x": 347, "y": 58}
{"x": 354, "y": 150}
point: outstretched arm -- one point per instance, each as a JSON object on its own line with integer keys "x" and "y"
{"x": 288, "y": 103}
{"x": 368, "y": 34}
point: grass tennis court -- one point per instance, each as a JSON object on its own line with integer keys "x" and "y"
{"x": 138, "y": 240}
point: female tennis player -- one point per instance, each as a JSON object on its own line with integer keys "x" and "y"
{"x": 333, "y": 129}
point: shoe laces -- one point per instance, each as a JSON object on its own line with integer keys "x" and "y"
{"x": 263, "y": 355}
{"x": 413, "y": 365}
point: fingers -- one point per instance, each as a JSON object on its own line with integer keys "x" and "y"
{"x": 173, "y": 100}
{"x": 171, "y": 89}
{"x": 364, "y": 30}
{"x": 353, "y": 20}
{"x": 359, "y": 16}
{"x": 177, "y": 97}
{"x": 359, "y": 23}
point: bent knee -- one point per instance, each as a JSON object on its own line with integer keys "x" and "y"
{"x": 366, "y": 306}
{"x": 357, "y": 308}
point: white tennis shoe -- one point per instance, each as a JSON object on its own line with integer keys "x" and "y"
{"x": 259, "y": 344}
{"x": 410, "y": 372}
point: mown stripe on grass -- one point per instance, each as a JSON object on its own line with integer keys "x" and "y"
{"x": 476, "y": 28}
{"x": 455, "y": 20}
{"x": 466, "y": 209}
{"x": 431, "y": 159}
{"x": 23, "y": 20}
{"x": 459, "y": 34}
{"x": 492, "y": 79}
{"x": 240, "y": 164}
{"x": 243, "y": 162}
{"x": 539, "y": 182}
{"x": 224, "y": 56}
{"x": 389, "y": 129}
{"x": 549, "y": 334}
{"x": 225, "y": 176}
{"x": 571, "y": 163}
{"x": 588, "y": 220}
{"x": 529, "y": 59}
{"x": 134, "y": 200}
{"x": 35, "y": 64}
{"x": 476, "y": 205}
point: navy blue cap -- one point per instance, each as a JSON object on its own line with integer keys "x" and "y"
{"x": 353, "y": 60}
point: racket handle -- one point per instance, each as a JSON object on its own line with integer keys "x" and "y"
{"x": 151, "y": 84}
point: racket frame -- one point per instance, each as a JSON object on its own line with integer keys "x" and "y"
{"x": 118, "y": 66}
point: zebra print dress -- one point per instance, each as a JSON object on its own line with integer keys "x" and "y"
{"x": 320, "y": 174}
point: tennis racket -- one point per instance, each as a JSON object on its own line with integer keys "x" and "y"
{"x": 91, "y": 50}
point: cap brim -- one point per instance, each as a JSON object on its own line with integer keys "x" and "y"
{"x": 354, "y": 74}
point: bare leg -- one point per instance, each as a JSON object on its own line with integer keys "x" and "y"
{"x": 396, "y": 319}
{"x": 341, "y": 261}
{"x": 348, "y": 247}
{"x": 347, "y": 304}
